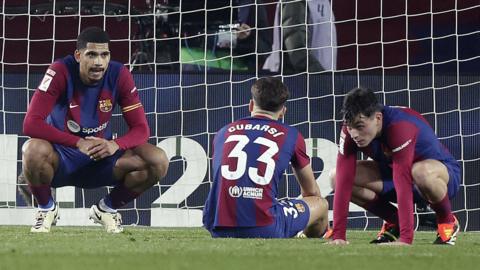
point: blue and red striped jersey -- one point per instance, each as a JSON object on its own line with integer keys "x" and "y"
{"x": 63, "y": 108}
{"x": 249, "y": 158}
{"x": 406, "y": 138}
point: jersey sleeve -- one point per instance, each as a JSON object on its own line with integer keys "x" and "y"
{"x": 345, "y": 176}
{"x": 401, "y": 140}
{"x": 300, "y": 158}
{"x": 51, "y": 88}
{"x": 133, "y": 112}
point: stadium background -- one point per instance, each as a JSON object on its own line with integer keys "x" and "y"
{"x": 410, "y": 56}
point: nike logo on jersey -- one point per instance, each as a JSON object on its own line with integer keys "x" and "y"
{"x": 73, "y": 105}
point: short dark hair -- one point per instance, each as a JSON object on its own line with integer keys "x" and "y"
{"x": 360, "y": 101}
{"x": 270, "y": 93}
{"x": 92, "y": 34}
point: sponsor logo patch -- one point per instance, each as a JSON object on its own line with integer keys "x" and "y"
{"x": 405, "y": 144}
{"x": 246, "y": 192}
{"x": 51, "y": 72}
{"x": 73, "y": 126}
{"x": 235, "y": 191}
{"x": 47, "y": 79}
{"x": 341, "y": 143}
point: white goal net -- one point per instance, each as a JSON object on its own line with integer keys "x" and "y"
{"x": 194, "y": 62}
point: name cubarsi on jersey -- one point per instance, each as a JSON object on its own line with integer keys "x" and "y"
{"x": 271, "y": 130}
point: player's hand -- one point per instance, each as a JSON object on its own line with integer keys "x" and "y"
{"x": 338, "y": 242}
{"x": 102, "y": 148}
{"x": 85, "y": 145}
{"x": 243, "y": 31}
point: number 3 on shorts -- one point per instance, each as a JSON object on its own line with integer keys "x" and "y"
{"x": 290, "y": 211}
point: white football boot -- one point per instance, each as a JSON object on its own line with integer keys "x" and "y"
{"x": 44, "y": 220}
{"x": 112, "y": 222}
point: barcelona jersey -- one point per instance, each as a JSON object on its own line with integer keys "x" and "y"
{"x": 249, "y": 159}
{"x": 406, "y": 138}
{"x": 64, "y": 109}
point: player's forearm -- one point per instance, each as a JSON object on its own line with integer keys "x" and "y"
{"x": 37, "y": 128}
{"x": 138, "y": 132}
{"x": 135, "y": 136}
{"x": 403, "y": 185}
{"x": 345, "y": 176}
{"x": 307, "y": 181}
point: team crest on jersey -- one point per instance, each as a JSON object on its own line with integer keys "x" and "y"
{"x": 105, "y": 105}
{"x": 300, "y": 207}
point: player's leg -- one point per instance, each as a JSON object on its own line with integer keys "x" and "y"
{"x": 136, "y": 170}
{"x": 142, "y": 168}
{"x": 368, "y": 189}
{"x": 369, "y": 192}
{"x": 39, "y": 163}
{"x": 432, "y": 178}
{"x": 318, "y": 222}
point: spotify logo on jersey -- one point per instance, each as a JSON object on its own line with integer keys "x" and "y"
{"x": 73, "y": 126}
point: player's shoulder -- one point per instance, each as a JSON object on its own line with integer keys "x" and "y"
{"x": 116, "y": 64}
{"x": 400, "y": 112}
{"x": 65, "y": 64}
{"x": 402, "y": 117}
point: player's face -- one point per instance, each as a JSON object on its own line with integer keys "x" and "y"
{"x": 364, "y": 129}
{"x": 93, "y": 61}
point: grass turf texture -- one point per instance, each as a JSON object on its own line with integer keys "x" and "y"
{"x": 160, "y": 248}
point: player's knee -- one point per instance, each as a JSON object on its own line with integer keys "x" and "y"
{"x": 36, "y": 151}
{"x": 331, "y": 175}
{"x": 323, "y": 206}
{"x": 159, "y": 165}
{"x": 421, "y": 172}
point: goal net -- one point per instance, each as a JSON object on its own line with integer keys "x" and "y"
{"x": 194, "y": 62}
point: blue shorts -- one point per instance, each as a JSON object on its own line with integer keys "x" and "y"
{"x": 291, "y": 217}
{"x": 77, "y": 169}
{"x": 389, "y": 192}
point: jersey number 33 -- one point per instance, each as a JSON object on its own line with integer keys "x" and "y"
{"x": 239, "y": 153}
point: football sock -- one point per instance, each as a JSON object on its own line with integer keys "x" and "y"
{"x": 105, "y": 206}
{"x": 443, "y": 209}
{"x": 383, "y": 209}
{"x": 43, "y": 195}
{"x": 119, "y": 197}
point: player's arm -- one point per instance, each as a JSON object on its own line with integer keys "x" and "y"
{"x": 133, "y": 113}
{"x": 302, "y": 169}
{"x": 401, "y": 140}
{"x": 344, "y": 179}
{"x": 307, "y": 182}
{"x": 46, "y": 95}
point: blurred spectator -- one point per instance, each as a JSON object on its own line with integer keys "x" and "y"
{"x": 252, "y": 48}
{"x": 311, "y": 49}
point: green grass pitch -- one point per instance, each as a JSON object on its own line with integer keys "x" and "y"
{"x": 161, "y": 248}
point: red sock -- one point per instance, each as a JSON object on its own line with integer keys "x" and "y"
{"x": 383, "y": 209}
{"x": 443, "y": 209}
{"x": 42, "y": 193}
{"x": 120, "y": 196}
